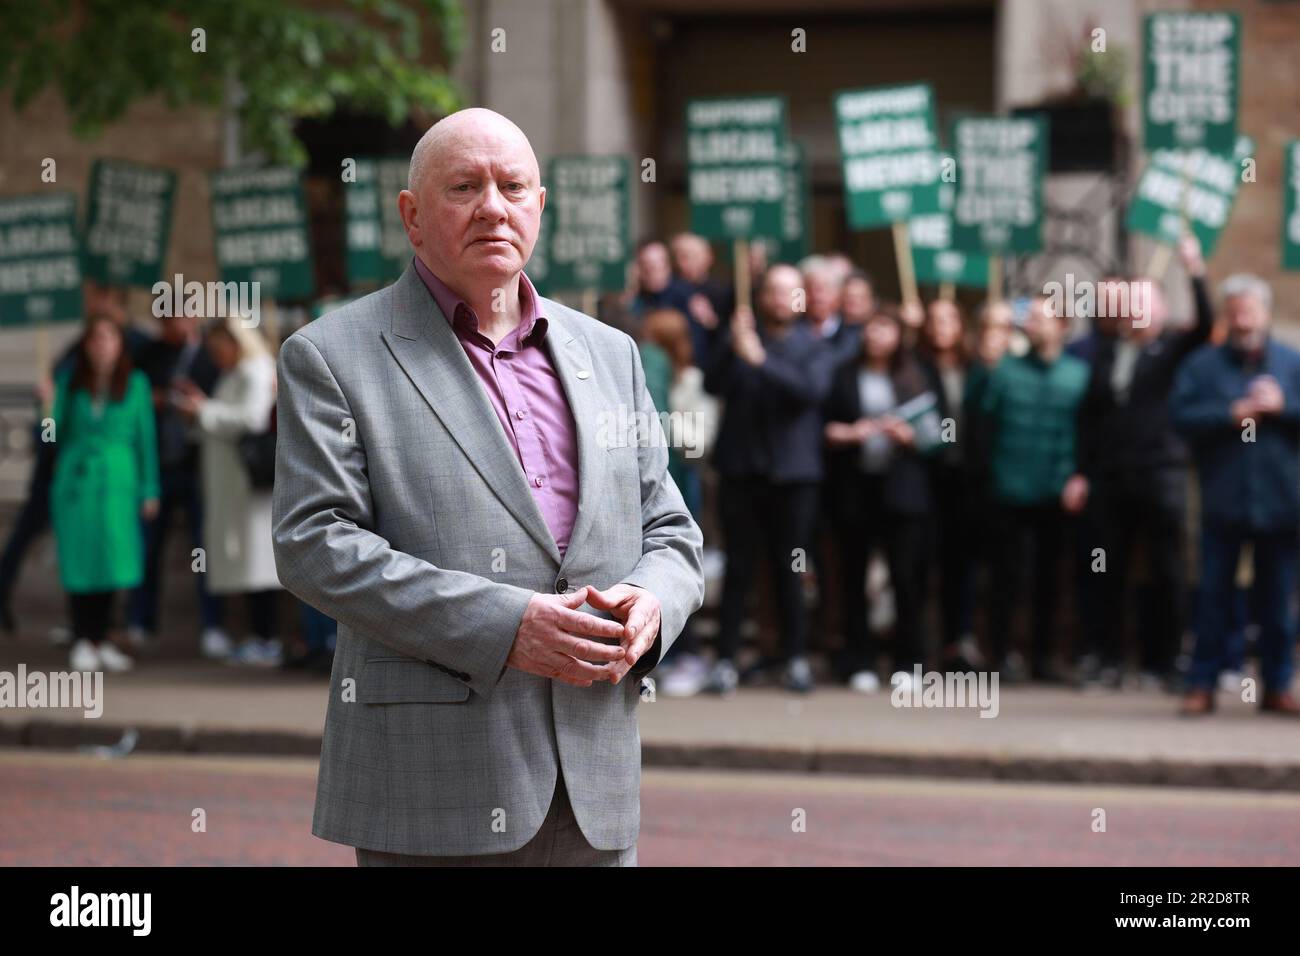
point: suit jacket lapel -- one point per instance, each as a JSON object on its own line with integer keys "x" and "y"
{"x": 572, "y": 361}
{"x": 424, "y": 344}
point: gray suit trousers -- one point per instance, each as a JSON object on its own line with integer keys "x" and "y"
{"x": 559, "y": 842}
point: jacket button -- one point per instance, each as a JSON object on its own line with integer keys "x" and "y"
{"x": 561, "y": 585}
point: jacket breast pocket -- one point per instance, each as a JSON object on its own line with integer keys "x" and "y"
{"x": 405, "y": 680}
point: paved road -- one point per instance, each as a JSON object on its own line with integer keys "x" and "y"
{"x": 82, "y": 810}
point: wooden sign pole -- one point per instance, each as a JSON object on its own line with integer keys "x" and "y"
{"x": 947, "y": 291}
{"x": 740, "y": 269}
{"x": 995, "y": 278}
{"x": 906, "y": 270}
{"x": 1159, "y": 261}
{"x": 271, "y": 327}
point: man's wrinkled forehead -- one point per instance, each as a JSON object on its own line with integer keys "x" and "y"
{"x": 501, "y": 155}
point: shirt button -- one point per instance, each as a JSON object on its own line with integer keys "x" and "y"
{"x": 519, "y": 414}
{"x": 537, "y": 482}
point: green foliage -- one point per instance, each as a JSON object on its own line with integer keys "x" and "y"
{"x": 1103, "y": 75}
{"x": 288, "y": 59}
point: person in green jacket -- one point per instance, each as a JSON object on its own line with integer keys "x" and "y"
{"x": 105, "y": 481}
{"x": 1029, "y": 405}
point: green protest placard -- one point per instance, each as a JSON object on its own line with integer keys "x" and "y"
{"x": 128, "y": 220}
{"x": 40, "y": 260}
{"x": 933, "y": 256}
{"x": 1194, "y": 186}
{"x": 1191, "y": 76}
{"x": 735, "y": 154}
{"x": 378, "y": 249}
{"x": 889, "y": 148}
{"x": 796, "y": 217}
{"x": 260, "y": 222}
{"x": 589, "y": 242}
{"x": 1291, "y": 214}
{"x": 1001, "y": 162}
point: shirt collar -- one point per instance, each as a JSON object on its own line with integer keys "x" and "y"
{"x": 455, "y": 308}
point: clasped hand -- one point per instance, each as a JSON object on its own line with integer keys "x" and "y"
{"x": 558, "y": 641}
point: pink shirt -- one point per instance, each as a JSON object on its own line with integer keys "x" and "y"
{"x": 524, "y": 389}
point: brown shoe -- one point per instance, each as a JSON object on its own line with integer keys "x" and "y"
{"x": 1280, "y": 702}
{"x": 1197, "y": 703}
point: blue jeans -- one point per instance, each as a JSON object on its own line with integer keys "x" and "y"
{"x": 179, "y": 488}
{"x": 1275, "y": 570}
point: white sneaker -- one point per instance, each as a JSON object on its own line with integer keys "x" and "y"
{"x": 687, "y": 678}
{"x": 215, "y": 644}
{"x": 1230, "y": 681}
{"x": 84, "y": 657}
{"x": 60, "y": 636}
{"x": 255, "y": 652}
{"x": 114, "y": 660}
{"x": 723, "y": 679}
{"x": 864, "y": 682}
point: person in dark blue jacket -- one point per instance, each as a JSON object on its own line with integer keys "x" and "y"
{"x": 773, "y": 378}
{"x": 1238, "y": 406}
{"x": 657, "y": 288}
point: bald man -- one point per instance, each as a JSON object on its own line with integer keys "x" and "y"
{"x": 710, "y": 301}
{"x": 473, "y": 481}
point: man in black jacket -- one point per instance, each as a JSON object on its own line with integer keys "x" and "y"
{"x": 773, "y": 378}
{"x": 1137, "y": 471}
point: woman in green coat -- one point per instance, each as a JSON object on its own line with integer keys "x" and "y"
{"x": 105, "y": 480}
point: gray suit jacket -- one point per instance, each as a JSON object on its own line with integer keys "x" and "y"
{"x": 402, "y": 512}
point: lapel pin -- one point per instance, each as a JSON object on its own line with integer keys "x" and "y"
{"x": 583, "y": 373}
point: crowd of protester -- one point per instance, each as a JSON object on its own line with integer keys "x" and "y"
{"x": 902, "y": 479}
{"x": 1022, "y": 480}
{"x": 135, "y": 431}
